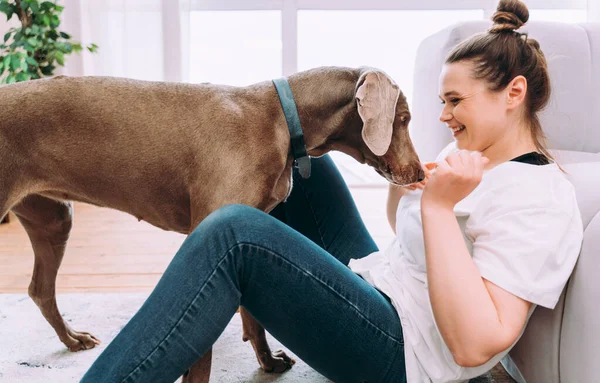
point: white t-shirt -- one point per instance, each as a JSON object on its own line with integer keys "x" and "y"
{"x": 523, "y": 229}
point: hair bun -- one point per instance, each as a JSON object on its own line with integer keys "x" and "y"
{"x": 509, "y": 16}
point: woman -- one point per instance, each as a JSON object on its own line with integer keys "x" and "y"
{"x": 491, "y": 233}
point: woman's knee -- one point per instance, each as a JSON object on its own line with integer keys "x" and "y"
{"x": 233, "y": 219}
{"x": 220, "y": 232}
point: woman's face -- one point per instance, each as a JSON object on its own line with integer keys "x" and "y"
{"x": 479, "y": 114}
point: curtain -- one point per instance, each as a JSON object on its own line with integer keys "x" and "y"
{"x": 142, "y": 39}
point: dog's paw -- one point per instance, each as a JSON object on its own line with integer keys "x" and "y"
{"x": 77, "y": 341}
{"x": 277, "y": 361}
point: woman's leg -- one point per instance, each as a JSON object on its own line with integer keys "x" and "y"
{"x": 321, "y": 207}
{"x": 311, "y": 302}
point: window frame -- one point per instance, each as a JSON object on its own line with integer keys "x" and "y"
{"x": 289, "y": 13}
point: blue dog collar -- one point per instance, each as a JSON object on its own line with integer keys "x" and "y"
{"x": 301, "y": 158}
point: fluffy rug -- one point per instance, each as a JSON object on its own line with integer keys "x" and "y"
{"x": 31, "y": 352}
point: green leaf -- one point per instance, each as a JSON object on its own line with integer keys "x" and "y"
{"x": 22, "y": 76}
{"x": 28, "y": 48}
{"x": 33, "y": 41}
{"x": 55, "y": 21}
{"x": 46, "y": 20}
{"x": 24, "y": 66}
{"x": 65, "y": 35}
{"x": 6, "y": 61}
{"x": 16, "y": 44}
{"x": 34, "y": 7}
{"x": 35, "y": 29}
{"x": 7, "y": 36}
{"x": 15, "y": 62}
{"x": 77, "y": 47}
{"x": 46, "y": 5}
{"x": 60, "y": 58}
{"x": 48, "y": 70}
{"x": 59, "y": 8}
{"x": 10, "y": 79}
{"x": 31, "y": 61}
{"x": 9, "y": 13}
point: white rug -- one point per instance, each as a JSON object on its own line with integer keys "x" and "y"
{"x": 31, "y": 352}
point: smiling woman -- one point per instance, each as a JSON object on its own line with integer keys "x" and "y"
{"x": 493, "y": 86}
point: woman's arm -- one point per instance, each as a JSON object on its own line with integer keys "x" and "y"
{"x": 476, "y": 318}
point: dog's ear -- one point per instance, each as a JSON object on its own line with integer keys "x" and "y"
{"x": 377, "y": 97}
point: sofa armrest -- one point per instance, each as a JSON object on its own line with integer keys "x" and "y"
{"x": 580, "y": 336}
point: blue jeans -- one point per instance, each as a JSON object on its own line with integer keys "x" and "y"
{"x": 289, "y": 270}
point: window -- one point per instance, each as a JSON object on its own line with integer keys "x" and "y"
{"x": 387, "y": 40}
{"x": 235, "y": 47}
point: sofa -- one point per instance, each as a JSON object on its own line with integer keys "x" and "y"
{"x": 563, "y": 344}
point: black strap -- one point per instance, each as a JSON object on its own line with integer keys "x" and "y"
{"x": 301, "y": 158}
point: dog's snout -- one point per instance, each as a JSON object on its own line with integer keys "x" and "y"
{"x": 421, "y": 175}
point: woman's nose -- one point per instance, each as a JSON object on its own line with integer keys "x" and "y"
{"x": 445, "y": 116}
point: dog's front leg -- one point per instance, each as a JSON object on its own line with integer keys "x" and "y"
{"x": 48, "y": 223}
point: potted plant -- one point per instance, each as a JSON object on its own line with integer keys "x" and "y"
{"x": 34, "y": 49}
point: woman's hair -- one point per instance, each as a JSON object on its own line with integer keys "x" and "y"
{"x": 501, "y": 54}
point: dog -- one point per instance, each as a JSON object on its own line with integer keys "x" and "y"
{"x": 172, "y": 153}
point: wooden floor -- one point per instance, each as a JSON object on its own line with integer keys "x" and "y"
{"x": 110, "y": 251}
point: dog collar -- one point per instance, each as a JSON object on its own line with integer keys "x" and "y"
{"x": 301, "y": 158}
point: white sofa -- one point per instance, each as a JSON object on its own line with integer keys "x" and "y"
{"x": 560, "y": 345}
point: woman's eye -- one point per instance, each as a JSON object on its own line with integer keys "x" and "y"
{"x": 452, "y": 100}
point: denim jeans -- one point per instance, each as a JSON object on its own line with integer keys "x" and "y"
{"x": 289, "y": 270}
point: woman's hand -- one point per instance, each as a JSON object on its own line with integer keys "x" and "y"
{"x": 454, "y": 179}
{"x": 427, "y": 168}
